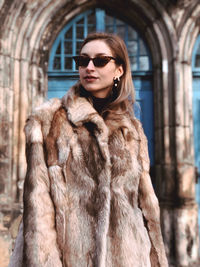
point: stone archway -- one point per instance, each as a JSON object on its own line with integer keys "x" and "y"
{"x": 28, "y": 37}
{"x": 157, "y": 35}
{"x": 25, "y": 44}
{"x": 186, "y": 218}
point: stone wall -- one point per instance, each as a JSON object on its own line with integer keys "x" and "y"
{"x": 28, "y": 29}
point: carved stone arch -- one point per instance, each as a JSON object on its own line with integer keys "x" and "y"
{"x": 26, "y": 45}
{"x": 188, "y": 35}
{"x": 186, "y": 211}
{"x": 28, "y": 76}
{"x": 156, "y": 26}
{"x": 32, "y": 33}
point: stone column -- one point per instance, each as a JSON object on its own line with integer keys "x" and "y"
{"x": 179, "y": 212}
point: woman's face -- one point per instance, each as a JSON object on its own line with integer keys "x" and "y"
{"x": 98, "y": 80}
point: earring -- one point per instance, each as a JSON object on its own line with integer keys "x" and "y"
{"x": 116, "y": 81}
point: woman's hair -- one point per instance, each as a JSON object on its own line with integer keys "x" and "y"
{"x": 125, "y": 95}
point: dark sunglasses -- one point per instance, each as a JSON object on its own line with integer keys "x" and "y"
{"x": 98, "y": 61}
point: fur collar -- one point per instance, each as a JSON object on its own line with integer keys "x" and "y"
{"x": 80, "y": 111}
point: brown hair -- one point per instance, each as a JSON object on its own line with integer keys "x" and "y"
{"x": 125, "y": 96}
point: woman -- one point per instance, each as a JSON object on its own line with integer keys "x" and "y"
{"x": 88, "y": 197}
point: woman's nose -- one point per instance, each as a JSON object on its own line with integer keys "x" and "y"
{"x": 90, "y": 65}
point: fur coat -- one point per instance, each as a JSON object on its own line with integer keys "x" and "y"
{"x": 88, "y": 197}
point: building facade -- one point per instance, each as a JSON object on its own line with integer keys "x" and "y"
{"x": 37, "y": 40}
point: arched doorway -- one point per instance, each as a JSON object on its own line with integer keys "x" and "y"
{"x": 196, "y": 114}
{"x": 62, "y": 72}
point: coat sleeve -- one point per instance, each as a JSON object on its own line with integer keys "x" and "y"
{"x": 150, "y": 207}
{"x": 40, "y": 238}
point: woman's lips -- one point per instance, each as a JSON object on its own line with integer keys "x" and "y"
{"x": 90, "y": 78}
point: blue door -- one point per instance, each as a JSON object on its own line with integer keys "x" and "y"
{"x": 196, "y": 114}
{"x": 62, "y": 72}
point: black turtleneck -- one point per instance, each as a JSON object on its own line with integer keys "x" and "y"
{"x": 100, "y": 103}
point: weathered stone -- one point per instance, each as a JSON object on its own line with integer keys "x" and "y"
{"x": 28, "y": 30}
{"x": 5, "y": 248}
{"x": 5, "y": 239}
{"x": 186, "y": 235}
{"x": 167, "y": 223}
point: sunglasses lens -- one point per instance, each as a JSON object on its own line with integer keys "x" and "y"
{"x": 83, "y": 61}
{"x": 101, "y": 61}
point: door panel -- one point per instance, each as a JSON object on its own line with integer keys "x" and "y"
{"x": 196, "y": 119}
{"x": 58, "y": 86}
{"x": 196, "y": 114}
{"x": 196, "y": 123}
{"x": 144, "y": 109}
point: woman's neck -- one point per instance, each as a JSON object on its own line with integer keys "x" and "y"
{"x": 100, "y": 103}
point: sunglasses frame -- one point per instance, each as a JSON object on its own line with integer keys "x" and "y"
{"x": 77, "y": 58}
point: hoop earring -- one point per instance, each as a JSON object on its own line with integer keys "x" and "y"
{"x": 116, "y": 82}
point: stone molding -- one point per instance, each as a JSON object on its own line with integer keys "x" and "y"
{"x": 29, "y": 29}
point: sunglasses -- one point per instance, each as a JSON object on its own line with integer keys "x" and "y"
{"x": 98, "y": 61}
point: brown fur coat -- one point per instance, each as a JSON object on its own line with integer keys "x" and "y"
{"x": 88, "y": 197}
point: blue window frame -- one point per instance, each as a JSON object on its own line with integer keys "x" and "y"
{"x": 196, "y": 100}
{"x": 71, "y": 37}
{"x": 62, "y": 72}
{"x": 196, "y": 113}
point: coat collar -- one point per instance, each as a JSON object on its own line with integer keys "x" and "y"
{"x": 80, "y": 110}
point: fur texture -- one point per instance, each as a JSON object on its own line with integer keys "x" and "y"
{"x": 88, "y": 197}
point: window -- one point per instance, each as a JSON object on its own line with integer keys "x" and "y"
{"x": 69, "y": 41}
{"x": 196, "y": 113}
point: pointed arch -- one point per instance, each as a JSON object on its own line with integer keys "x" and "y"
{"x": 31, "y": 35}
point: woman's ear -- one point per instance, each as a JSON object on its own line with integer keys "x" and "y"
{"x": 119, "y": 71}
